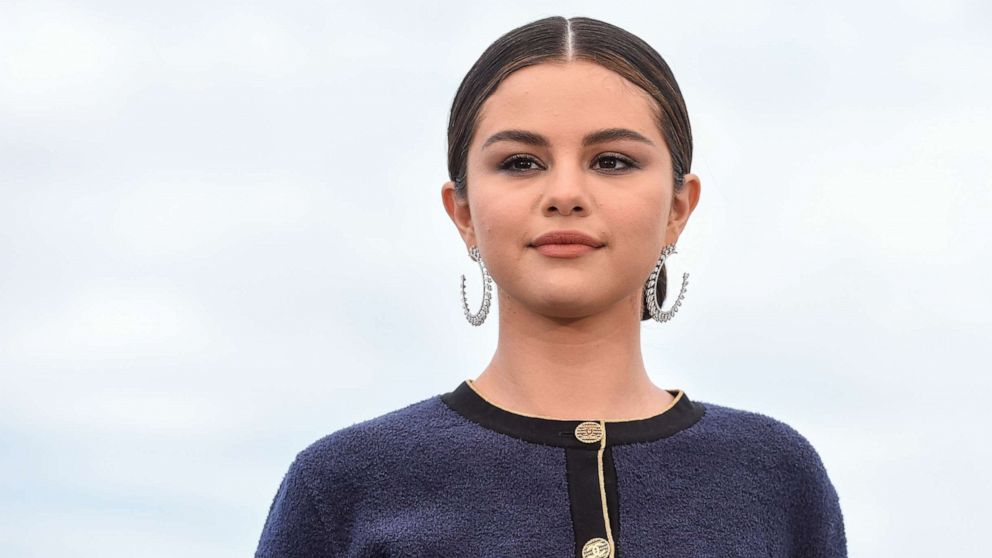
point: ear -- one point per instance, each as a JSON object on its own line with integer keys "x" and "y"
{"x": 459, "y": 211}
{"x": 683, "y": 202}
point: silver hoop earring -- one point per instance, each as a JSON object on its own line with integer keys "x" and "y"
{"x": 651, "y": 292}
{"x": 477, "y": 319}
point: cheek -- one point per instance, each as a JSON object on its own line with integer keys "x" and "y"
{"x": 638, "y": 240}
{"x": 637, "y": 227}
{"x": 637, "y": 219}
{"x": 501, "y": 227}
{"x": 500, "y": 220}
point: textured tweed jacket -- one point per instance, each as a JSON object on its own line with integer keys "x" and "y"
{"x": 456, "y": 475}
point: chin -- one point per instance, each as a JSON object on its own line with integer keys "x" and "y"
{"x": 560, "y": 305}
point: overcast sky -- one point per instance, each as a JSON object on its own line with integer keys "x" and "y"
{"x": 221, "y": 238}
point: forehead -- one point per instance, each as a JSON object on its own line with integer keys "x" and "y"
{"x": 566, "y": 100}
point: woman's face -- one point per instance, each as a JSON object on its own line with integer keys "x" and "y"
{"x": 618, "y": 190}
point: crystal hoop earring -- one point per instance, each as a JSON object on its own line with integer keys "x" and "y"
{"x": 477, "y": 319}
{"x": 651, "y": 292}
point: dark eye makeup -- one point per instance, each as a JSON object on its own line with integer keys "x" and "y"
{"x": 509, "y": 164}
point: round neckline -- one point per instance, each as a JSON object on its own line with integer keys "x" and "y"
{"x": 676, "y": 393}
{"x": 679, "y": 415}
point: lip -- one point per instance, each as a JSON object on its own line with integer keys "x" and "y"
{"x": 565, "y": 244}
{"x": 564, "y": 250}
{"x": 566, "y": 237}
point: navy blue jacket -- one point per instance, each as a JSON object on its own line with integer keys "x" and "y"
{"x": 455, "y": 475}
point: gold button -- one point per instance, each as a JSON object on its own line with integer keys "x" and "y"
{"x": 589, "y": 432}
{"x": 596, "y": 548}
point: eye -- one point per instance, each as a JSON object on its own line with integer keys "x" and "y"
{"x": 612, "y": 160}
{"x": 518, "y": 163}
{"x": 522, "y": 163}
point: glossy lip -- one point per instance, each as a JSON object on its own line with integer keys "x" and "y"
{"x": 565, "y": 237}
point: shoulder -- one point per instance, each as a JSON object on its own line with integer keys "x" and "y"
{"x": 760, "y": 439}
{"x": 779, "y": 462}
{"x": 405, "y": 425}
{"x": 332, "y": 476}
{"x": 349, "y": 452}
{"x": 791, "y": 474}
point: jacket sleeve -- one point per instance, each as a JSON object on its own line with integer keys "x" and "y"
{"x": 294, "y": 527}
{"x": 818, "y": 522}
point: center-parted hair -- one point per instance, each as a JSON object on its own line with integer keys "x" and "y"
{"x": 557, "y": 40}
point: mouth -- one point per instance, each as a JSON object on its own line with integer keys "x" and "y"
{"x": 564, "y": 250}
{"x": 566, "y": 243}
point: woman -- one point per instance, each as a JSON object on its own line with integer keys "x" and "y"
{"x": 569, "y": 152}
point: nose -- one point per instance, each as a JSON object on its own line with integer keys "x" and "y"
{"x": 565, "y": 191}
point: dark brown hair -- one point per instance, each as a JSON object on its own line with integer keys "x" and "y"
{"x": 557, "y": 39}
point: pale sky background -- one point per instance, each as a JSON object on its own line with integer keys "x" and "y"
{"x": 221, "y": 238}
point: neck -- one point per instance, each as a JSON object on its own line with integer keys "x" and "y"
{"x": 570, "y": 368}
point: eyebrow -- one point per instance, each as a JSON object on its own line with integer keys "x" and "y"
{"x": 592, "y": 138}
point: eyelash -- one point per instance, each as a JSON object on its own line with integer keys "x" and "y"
{"x": 631, "y": 164}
